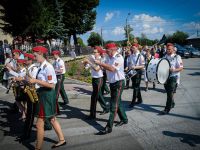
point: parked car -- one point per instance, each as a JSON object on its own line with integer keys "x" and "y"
{"x": 183, "y": 52}
{"x": 193, "y": 51}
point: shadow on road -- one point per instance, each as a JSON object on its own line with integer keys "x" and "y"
{"x": 195, "y": 74}
{"x": 189, "y": 139}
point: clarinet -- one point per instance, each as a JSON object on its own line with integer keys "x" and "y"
{"x": 10, "y": 85}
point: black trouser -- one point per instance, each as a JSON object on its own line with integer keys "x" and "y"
{"x": 136, "y": 87}
{"x": 116, "y": 104}
{"x": 104, "y": 86}
{"x": 29, "y": 118}
{"x": 170, "y": 87}
{"x": 97, "y": 96}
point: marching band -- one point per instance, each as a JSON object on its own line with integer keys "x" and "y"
{"x": 37, "y": 84}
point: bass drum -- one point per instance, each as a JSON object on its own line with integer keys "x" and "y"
{"x": 158, "y": 70}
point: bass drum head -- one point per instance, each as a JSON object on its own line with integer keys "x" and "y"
{"x": 151, "y": 70}
{"x": 163, "y": 70}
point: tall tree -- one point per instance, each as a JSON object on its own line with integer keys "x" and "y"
{"x": 79, "y": 16}
{"x": 94, "y": 39}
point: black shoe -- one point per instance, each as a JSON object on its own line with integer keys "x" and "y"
{"x": 106, "y": 130}
{"x": 58, "y": 145}
{"x": 121, "y": 123}
{"x": 22, "y": 138}
{"x": 64, "y": 103}
{"x": 164, "y": 112}
{"x": 104, "y": 112}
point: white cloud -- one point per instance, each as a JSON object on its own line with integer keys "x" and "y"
{"x": 148, "y": 19}
{"x": 118, "y": 31}
{"x": 192, "y": 25}
{"x": 152, "y": 26}
{"x": 146, "y": 26}
{"x": 109, "y": 16}
{"x": 153, "y": 30}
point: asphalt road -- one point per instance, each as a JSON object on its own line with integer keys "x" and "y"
{"x": 179, "y": 130}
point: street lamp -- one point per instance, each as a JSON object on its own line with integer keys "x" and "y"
{"x": 127, "y": 26}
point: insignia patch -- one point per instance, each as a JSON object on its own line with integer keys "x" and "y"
{"x": 44, "y": 66}
{"x": 116, "y": 64}
{"x": 49, "y": 77}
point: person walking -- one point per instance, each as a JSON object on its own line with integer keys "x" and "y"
{"x": 176, "y": 64}
{"x": 114, "y": 66}
{"x": 59, "y": 67}
{"x": 46, "y": 106}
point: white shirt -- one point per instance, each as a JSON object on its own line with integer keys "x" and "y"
{"x": 46, "y": 73}
{"x": 175, "y": 62}
{"x": 33, "y": 69}
{"x": 20, "y": 73}
{"x": 117, "y": 61}
{"x": 59, "y": 64}
{"x": 131, "y": 60}
{"x": 96, "y": 74}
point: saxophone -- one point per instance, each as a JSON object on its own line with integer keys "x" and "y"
{"x": 30, "y": 89}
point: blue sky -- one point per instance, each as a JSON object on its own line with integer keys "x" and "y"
{"x": 151, "y": 17}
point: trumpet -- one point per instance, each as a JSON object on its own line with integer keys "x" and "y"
{"x": 87, "y": 60}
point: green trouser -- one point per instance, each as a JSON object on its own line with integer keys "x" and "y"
{"x": 60, "y": 88}
{"x": 115, "y": 103}
{"x": 104, "y": 86}
{"x": 97, "y": 96}
{"x": 136, "y": 88}
{"x": 170, "y": 87}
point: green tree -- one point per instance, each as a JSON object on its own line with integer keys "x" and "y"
{"x": 94, "y": 39}
{"x": 178, "y": 37}
{"x": 79, "y": 16}
{"x": 80, "y": 42}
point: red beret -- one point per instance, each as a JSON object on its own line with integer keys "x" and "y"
{"x": 135, "y": 44}
{"x": 111, "y": 46}
{"x": 55, "y": 52}
{"x": 21, "y": 61}
{"x": 39, "y": 41}
{"x": 40, "y": 49}
{"x": 30, "y": 56}
{"x": 99, "y": 49}
{"x": 16, "y": 51}
{"x": 170, "y": 44}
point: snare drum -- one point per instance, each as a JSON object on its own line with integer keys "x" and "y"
{"x": 158, "y": 70}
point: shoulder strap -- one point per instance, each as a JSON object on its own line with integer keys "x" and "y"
{"x": 137, "y": 59}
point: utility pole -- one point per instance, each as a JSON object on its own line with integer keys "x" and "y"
{"x": 127, "y": 26}
{"x": 101, "y": 37}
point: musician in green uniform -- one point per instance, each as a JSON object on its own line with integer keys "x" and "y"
{"x": 97, "y": 82}
{"x": 59, "y": 67}
{"x": 114, "y": 66}
{"x": 46, "y": 107}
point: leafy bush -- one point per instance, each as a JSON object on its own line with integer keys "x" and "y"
{"x": 76, "y": 70}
